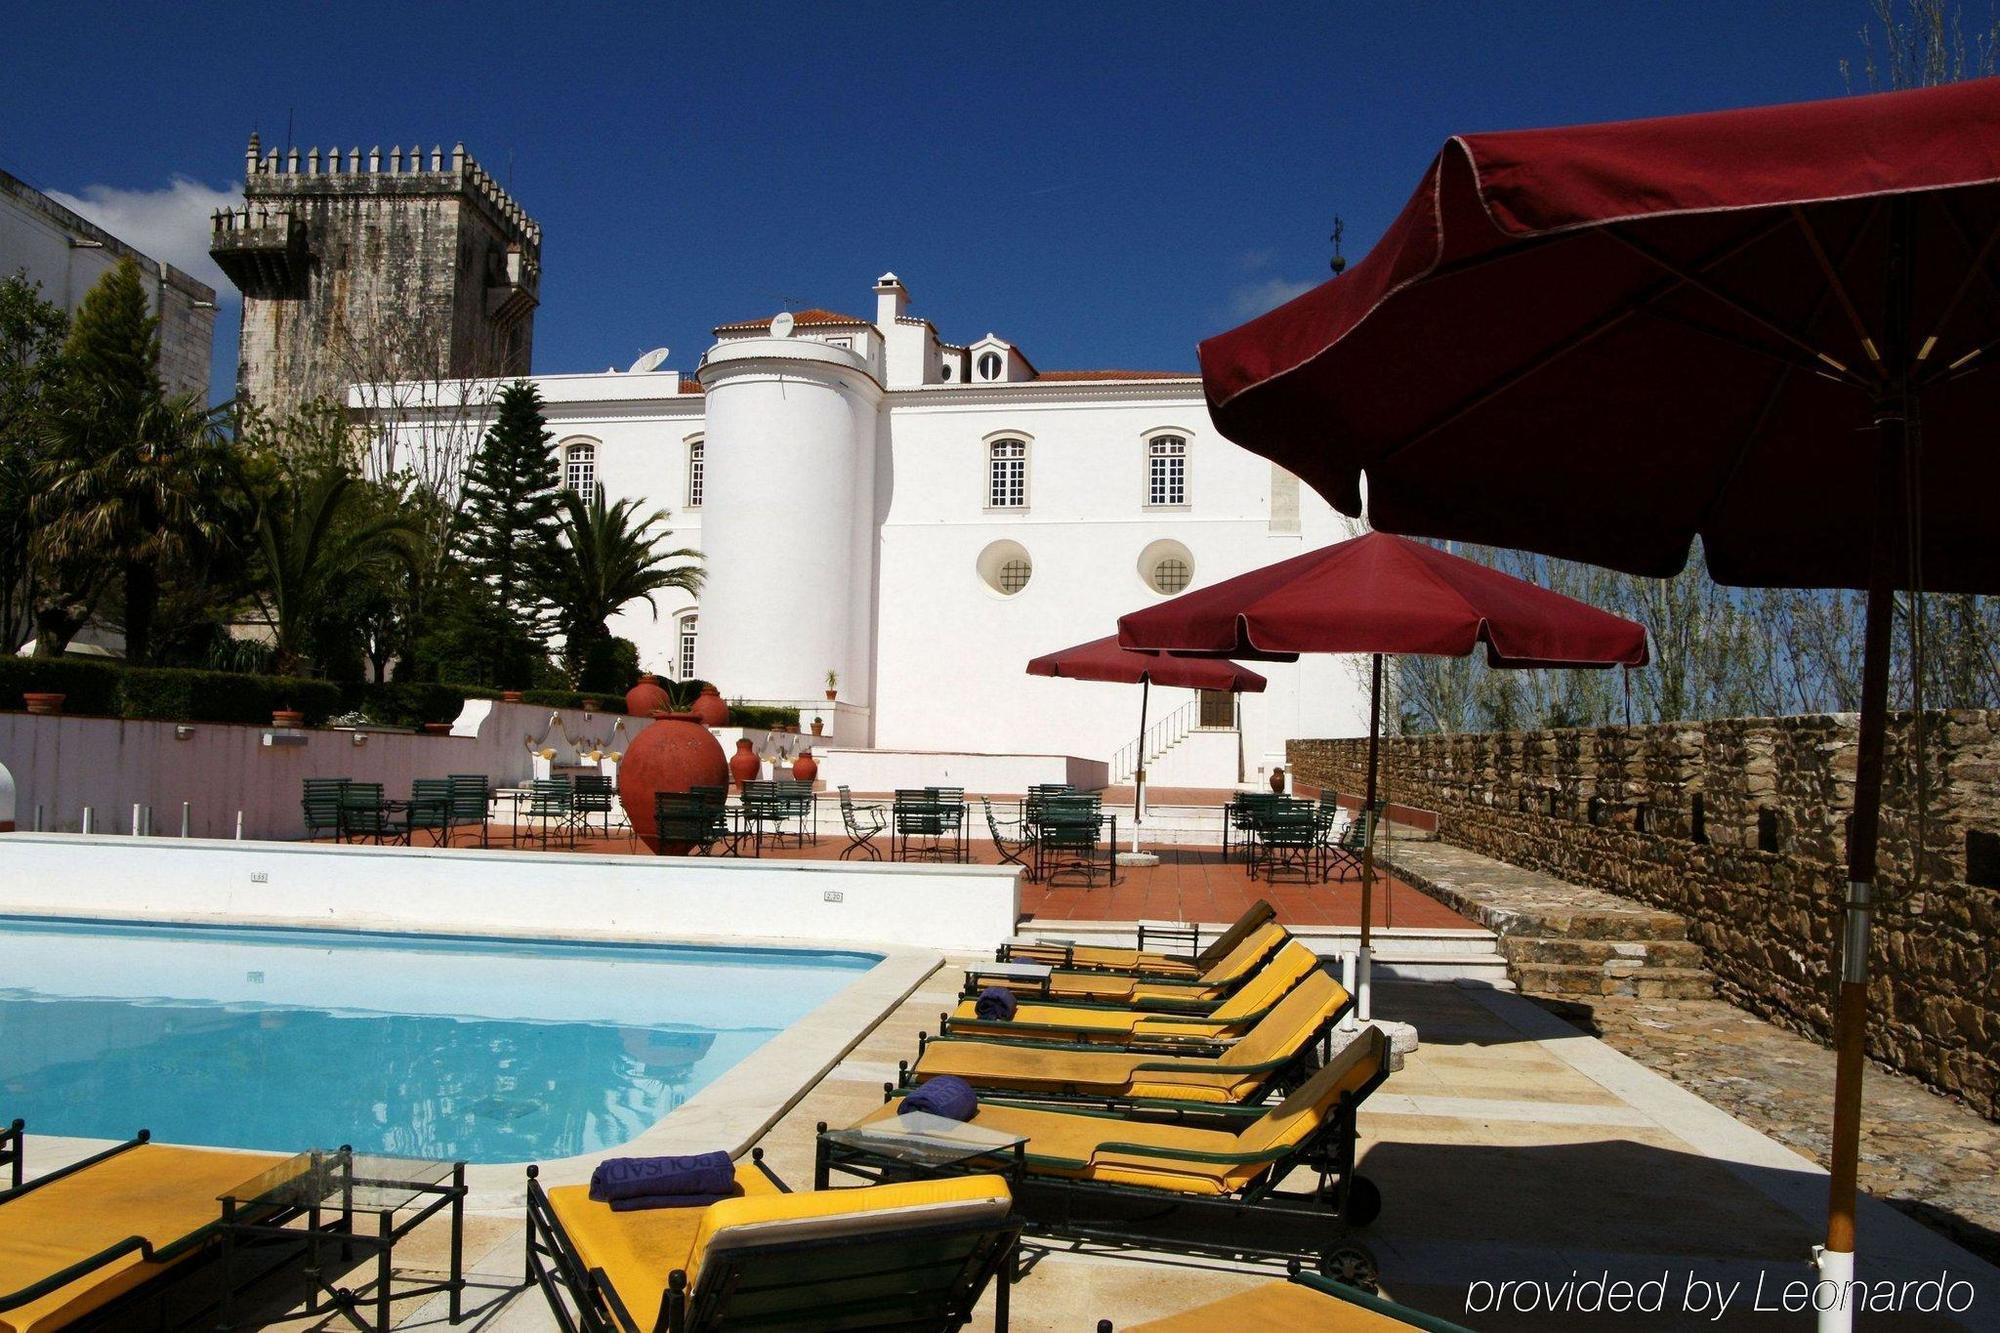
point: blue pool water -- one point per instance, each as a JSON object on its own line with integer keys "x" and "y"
{"x": 476, "y": 1049}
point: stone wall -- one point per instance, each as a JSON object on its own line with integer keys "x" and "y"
{"x": 1739, "y": 826}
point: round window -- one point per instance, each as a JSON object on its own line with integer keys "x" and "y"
{"x": 1172, "y": 575}
{"x": 989, "y": 365}
{"x": 1006, "y": 567}
{"x": 1166, "y": 567}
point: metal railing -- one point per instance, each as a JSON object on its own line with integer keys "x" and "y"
{"x": 1159, "y": 738}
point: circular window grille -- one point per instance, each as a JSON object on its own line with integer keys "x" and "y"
{"x": 1172, "y": 575}
{"x": 1014, "y": 575}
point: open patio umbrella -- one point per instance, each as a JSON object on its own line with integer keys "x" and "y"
{"x": 1380, "y": 594}
{"x": 1103, "y": 659}
{"x": 1771, "y": 329}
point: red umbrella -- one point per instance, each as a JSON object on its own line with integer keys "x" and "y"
{"x": 1103, "y": 659}
{"x": 1771, "y": 329}
{"x": 1383, "y": 594}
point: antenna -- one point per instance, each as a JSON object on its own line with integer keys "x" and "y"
{"x": 1339, "y": 261}
{"x": 648, "y": 363}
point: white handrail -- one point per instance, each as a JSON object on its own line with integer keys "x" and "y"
{"x": 1160, "y": 737}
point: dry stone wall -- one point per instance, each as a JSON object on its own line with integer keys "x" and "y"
{"x": 1739, "y": 826}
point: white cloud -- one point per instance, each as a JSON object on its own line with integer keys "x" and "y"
{"x": 170, "y": 224}
{"x": 1255, "y": 298}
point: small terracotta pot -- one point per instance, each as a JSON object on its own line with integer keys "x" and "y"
{"x": 510, "y": 696}
{"x": 288, "y": 717}
{"x": 805, "y": 768}
{"x": 711, "y": 708}
{"x": 437, "y": 728}
{"x": 744, "y": 764}
{"x": 833, "y": 694}
{"x": 43, "y": 705}
{"x": 819, "y": 727}
{"x": 589, "y": 704}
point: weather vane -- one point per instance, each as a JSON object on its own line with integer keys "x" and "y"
{"x": 1339, "y": 261}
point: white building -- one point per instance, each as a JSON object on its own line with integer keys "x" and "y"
{"x": 922, "y": 517}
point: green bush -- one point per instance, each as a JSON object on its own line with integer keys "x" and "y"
{"x": 169, "y": 694}
{"x": 408, "y": 703}
{"x": 87, "y": 687}
{"x": 760, "y": 715}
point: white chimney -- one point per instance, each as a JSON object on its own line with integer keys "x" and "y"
{"x": 892, "y": 302}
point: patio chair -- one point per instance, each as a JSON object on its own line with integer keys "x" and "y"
{"x": 1342, "y": 840}
{"x": 1009, "y": 845}
{"x": 1200, "y": 994}
{"x": 1303, "y": 1300}
{"x": 431, "y": 809}
{"x": 321, "y": 803}
{"x": 121, "y": 1239}
{"x": 802, "y": 806}
{"x": 863, "y": 823}
{"x": 728, "y": 834}
{"x": 915, "y": 1255}
{"x": 1280, "y": 1042}
{"x": 1288, "y": 833}
{"x": 951, "y": 810}
{"x": 917, "y": 814}
{"x": 364, "y": 813}
{"x": 1240, "y": 818}
{"x": 472, "y": 802}
{"x": 592, "y": 796}
{"x": 1067, "y": 836}
{"x": 1144, "y": 1028}
{"x": 691, "y": 818}
{"x": 765, "y": 810}
{"x": 1155, "y": 1183}
{"x": 549, "y": 805}
{"x": 1098, "y": 958}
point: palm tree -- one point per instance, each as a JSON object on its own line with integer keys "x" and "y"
{"x": 136, "y": 481}
{"x": 604, "y": 560}
{"x": 313, "y": 535}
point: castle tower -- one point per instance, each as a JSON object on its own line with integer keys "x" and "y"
{"x": 388, "y": 269}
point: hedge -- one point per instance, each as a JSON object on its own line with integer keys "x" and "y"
{"x": 761, "y": 715}
{"x": 86, "y": 686}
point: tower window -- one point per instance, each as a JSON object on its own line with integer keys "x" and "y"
{"x": 685, "y": 657}
{"x": 694, "y": 474}
{"x": 989, "y": 365}
{"x": 1007, "y": 474}
{"x": 1166, "y": 475}
{"x": 580, "y": 471}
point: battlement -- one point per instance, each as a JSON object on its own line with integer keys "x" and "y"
{"x": 309, "y": 171}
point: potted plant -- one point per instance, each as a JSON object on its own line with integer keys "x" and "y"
{"x": 510, "y": 696}
{"x": 42, "y": 704}
{"x": 819, "y": 727}
{"x": 589, "y": 704}
{"x": 437, "y": 728}
{"x": 288, "y": 717}
{"x": 832, "y": 684}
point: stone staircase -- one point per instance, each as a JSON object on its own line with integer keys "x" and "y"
{"x": 1560, "y": 938}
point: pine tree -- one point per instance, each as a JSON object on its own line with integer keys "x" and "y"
{"x": 506, "y": 525}
{"x": 114, "y": 345}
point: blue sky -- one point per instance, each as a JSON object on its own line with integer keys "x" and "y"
{"x": 1103, "y": 184}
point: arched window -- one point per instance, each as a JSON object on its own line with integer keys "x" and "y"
{"x": 1007, "y": 474}
{"x": 1166, "y": 470}
{"x": 685, "y": 657}
{"x": 580, "y": 470}
{"x": 694, "y": 473}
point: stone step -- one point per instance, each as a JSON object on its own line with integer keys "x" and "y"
{"x": 1648, "y": 983}
{"x": 1637, "y": 924}
{"x": 1624, "y": 954}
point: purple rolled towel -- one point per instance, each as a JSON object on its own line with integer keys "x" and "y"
{"x": 708, "y": 1173}
{"x": 996, "y": 1004}
{"x": 946, "y": 1095}
{"x": 641, "y": 1202}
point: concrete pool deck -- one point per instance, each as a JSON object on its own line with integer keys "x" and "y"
{"x": 1512, "y": 1146}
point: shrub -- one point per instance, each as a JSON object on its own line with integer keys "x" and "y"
{"x": 170, "y": 694}
{"x": 761, "y": 715}
{"x": 88, "y": 687}
{"x": 408, "y": 703}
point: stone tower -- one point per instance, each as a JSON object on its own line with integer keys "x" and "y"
{"x": 392, "y": 268}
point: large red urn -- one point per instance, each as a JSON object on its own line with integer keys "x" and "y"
{"x": 744, "y": 765}
{"x": 805, "y": 768}
{"x": 671, "y": 753}
{"x": 646, "y": 698}
{"x": 710, "y": 707}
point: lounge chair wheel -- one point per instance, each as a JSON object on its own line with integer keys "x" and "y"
{"x": 1352, "y": 1264}
{"x": 1364, "y": 1202}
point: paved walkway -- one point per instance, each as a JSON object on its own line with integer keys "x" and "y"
{"x": 1923, "y": 1152}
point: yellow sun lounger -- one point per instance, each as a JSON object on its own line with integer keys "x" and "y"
{"x": 1306, "y": 1301}
{"x": 1084, "y": 1174}
{"x": 912, "y": 1255}
{"x": 112, "y": 1231}
{"x": 1070, "y": 956}
{"x": 1241, "y": 1073}
{"x": 1113, "y": 1026}
{"x": 1196, "y": 994}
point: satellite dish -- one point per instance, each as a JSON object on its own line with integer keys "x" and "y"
{"x": 781, "y": 324}
{"x": 649, "y": 363}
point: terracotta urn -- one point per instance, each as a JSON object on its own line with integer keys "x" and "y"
{"x": 1277, "y": 779}
{"x": 510, "y": 696}
{"x": 744, "y": 764}
{"x": 674, "y": 753}
{"x": 43, "y": 705}
{"x": 711, "y": 708}
{"x": 290, "y": 717}
{"x": 805, "y": 768}
{"x": 644, "y": 698}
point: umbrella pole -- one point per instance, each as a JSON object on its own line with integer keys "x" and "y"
{"x": 1836, "y": 1260}
{"x": 1364, "y": 998}
{"x": 1139, "y": 771}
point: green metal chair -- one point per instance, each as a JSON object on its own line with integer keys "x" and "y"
{"x": 364, "y": 813}
{"x": 592, "y": 796}
{"x": 691, "y": 818}
{"x": 1010, "y": 845}
{"x": 802, "y": 807}
{"x": 431, "y": 810}
{"x": 472, "y": 802}
{"x": 917, "y": 814}
{"x": 863, "y": 823}
{"x": 726, "y": 830}
{"x": 550, "y": 806}
{"x": 1287, "y": 837}
{"x": 1067, "y": 838}
{"x": 321, "y": 804}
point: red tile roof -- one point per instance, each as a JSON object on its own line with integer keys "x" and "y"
{"x": 801, "y": 319}
{"x": 689, "y": 384}
{"x": 1117, "y": 375}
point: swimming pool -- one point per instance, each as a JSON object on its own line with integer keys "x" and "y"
{"x": 481, "y": 1049}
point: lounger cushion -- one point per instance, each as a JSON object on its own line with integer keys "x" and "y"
{"x": 160, "y": 1192}
{"x": 638, "y": 1250}
{"x": 736, "y": 1224}
{"x": 1275, "y": 1305}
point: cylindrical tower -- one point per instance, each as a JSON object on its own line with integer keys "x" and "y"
{"x": 787, "y": 519}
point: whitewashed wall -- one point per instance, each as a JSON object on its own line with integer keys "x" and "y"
{"x": 1013, "y": 774}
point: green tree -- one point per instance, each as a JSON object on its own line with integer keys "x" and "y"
{"x": 32, "y": 331}
{"x": 507, "y": 525}
{"x": 607, "y": 559}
